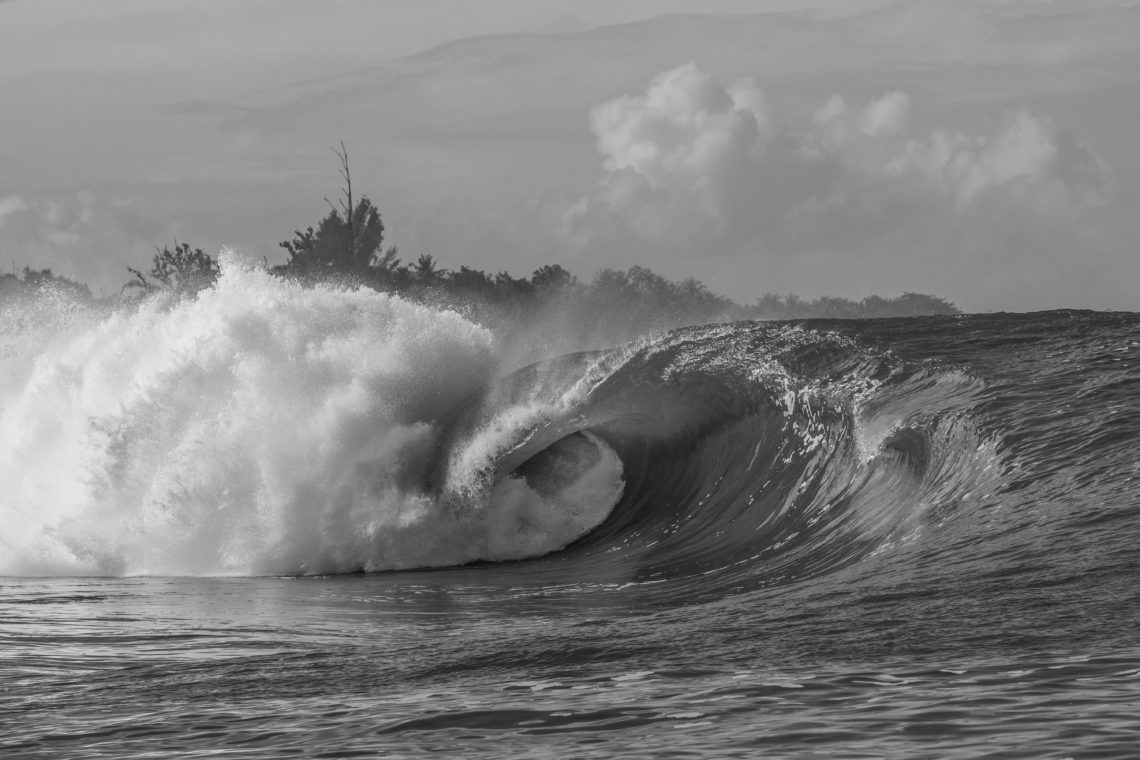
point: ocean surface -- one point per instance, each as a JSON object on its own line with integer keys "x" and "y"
{"x": 275, "y": 522}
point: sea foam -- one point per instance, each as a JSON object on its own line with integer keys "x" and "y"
{"x": 257, "y": 428}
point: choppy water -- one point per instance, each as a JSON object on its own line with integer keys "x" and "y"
{"x": 895, "y": 538}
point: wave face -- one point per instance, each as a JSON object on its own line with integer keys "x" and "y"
{"x": 765, "y": 455}
{"x": 760, "y": 454}
{"x": 268, "y": 429}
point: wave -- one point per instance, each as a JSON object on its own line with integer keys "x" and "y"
{"x": 265, "y": 428}
{"x": 260, "y": 428}
{"x": 764, "y": 454}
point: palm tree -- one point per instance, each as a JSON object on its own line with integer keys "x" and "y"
{"x": 427, "y": 272}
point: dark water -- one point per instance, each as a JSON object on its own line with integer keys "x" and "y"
{"x": 901, "y": 538}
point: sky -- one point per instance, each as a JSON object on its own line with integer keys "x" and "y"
{"x": 980, "y": 150}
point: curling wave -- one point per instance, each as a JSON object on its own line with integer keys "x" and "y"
{"x": 758, "y": 453}
{"x": 263, "y": 428}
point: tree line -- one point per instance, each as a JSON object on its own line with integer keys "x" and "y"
{"x": 347, "y": 248}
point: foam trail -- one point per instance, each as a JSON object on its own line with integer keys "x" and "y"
{"x": 259, "y": 428}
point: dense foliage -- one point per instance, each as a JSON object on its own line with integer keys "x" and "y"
{"x": 346, "y": 248}
{"x": 182, "y": 269}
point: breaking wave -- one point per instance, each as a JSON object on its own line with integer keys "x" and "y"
{"x": 265, "y": 428}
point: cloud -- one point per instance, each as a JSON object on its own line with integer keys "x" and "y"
{"x": 679, "y": 156}
{"x": 1026, "y": 156}
{"x": 690, "y": 164}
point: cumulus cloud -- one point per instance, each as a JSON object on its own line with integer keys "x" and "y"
{"x": 680, "y": 155}
{"x": 1027, "y": 157}
{"x": 690, "y": 161}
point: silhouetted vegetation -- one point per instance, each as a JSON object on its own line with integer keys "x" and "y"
{"x": 346, "y": 248}
{"x": 184, "y": 270}
{"x": 346, "y": 243}
{"x": 772, "y": 306}
{"x": 615, "y": 305}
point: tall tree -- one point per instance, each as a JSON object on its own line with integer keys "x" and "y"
{"x": 346, "y": 243}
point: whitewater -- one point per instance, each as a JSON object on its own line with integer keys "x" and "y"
{"x": 269, "y": 521}
{"x": 263, "y": 428}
